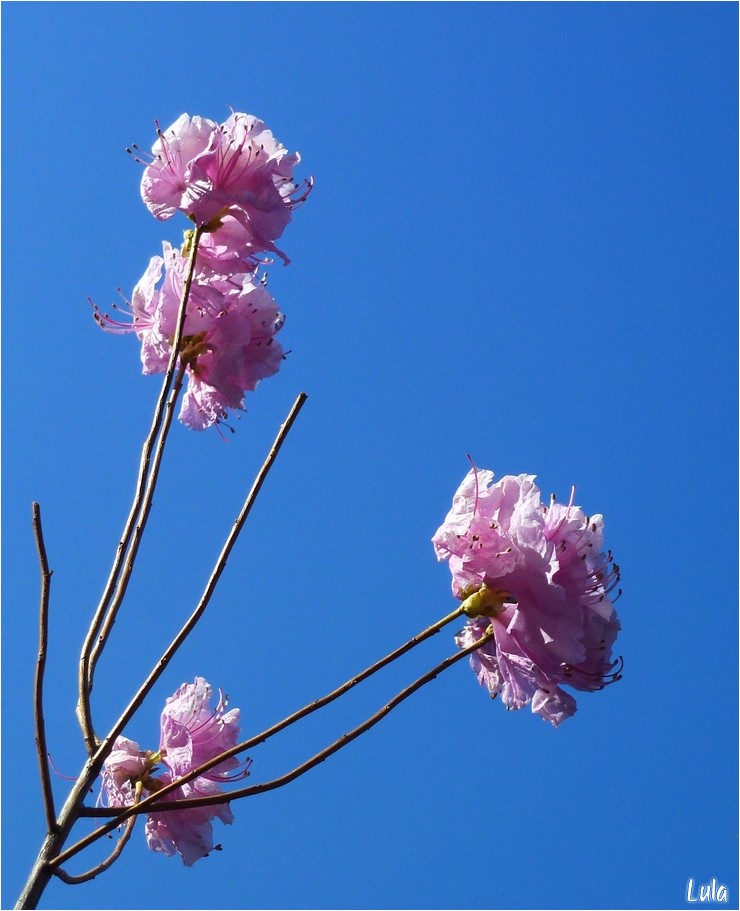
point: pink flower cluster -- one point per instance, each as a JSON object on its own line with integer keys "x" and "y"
{"x": 235, "y": 181}
{"x": 536, "y": 574}
{"x": 191, "y": 733}
{"x": 237, "y": 168}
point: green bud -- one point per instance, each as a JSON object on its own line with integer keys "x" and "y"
{"x": 486, "y": 602}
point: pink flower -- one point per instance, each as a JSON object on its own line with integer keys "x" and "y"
{"x": 230, "y": 248}
{"x": 191, "y": 733}
{"x": 237, "y": 168}
{"x": 544, "y": 587}
{"x": 125, "y": 764}
{"x": 238, "y": 350}
{"x": 229, "y": 333}
{"x": 166, "y": 181}
{"x": 235, "y": 180}
{"x": 188, "y": 833}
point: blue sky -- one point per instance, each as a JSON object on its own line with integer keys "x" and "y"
{"x": 521, "y": 245}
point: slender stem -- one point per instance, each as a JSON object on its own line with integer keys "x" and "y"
{"x": 231, "y": 539}
{"x": 70, "y": 812}
{"x": 49, "y": 855}
{"x": 227, "y": 796}
{"x": 86, "y": 669}
{"x": 290, "y": 719}
{"x": 141, "y": 493}
{"x": 110, "y": 859}
{"x": 38, "y": 687}
{"x": 41, "y": 871}
{"x": 88, "y": 662}
{"x": 138, "y": 533}
{"x": 345, "y": 738}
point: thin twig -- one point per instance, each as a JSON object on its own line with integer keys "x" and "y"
{"x": 38, "y": 687}
{"x": 74, "y": 880}
{"x": 49, "y": 854}
{"x": 87, "y": 666}
{"x": 212, "y": 582}
{"x": 41, "y": 870}
{"x": 353, "y": 734}
{"x": 291, "y": 719}
{"x": 156, "y": 422}
{"x": 146, "y": 507}
{"x": 149, "y": 805}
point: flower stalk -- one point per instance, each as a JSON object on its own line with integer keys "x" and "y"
{"x": 218, "y": 569}
{"x": 74, "y": 880}
{"x": 151, "y": 804}
{"x": 286, "y": 722}
{"x": 59, "y": 830}
{"x": 133, "y": 530}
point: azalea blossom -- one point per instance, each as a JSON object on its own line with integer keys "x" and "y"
{"x": 229, "y": 333}
{"x": 236, "y": 168}
{"x": 230, "y": 249}
{"x": 188, "y": 833}
{"x": 191, "y": 734}
{"x": 537, "y": 575}
{"x": 235, "y": 181}
{"x": 165, "y": 182}
{"x": 126, "y": 764}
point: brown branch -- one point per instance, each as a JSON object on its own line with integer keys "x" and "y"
{"x": 42, "y": 868}
{"x": 50, "y": 855}
{"x": 296, "y": 716}
{"x": 149, "y": 805}
{"x": 146, "y": 506}
{"x": 87, "y": 663}
{"x": 352, "y": 735}
{"x": 74, "y": 880}
{"x": 104, "y": 747}
{"x": 38, "y": 687}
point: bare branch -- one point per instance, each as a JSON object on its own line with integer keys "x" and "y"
{"x": 42, "y": 868}
{"x": 215, "y": 574}
{"x": 110, "y": 859}
{"x": 49, "y": 856}
{"x": 296, "y": 716}
{"x": 149, "y": 805}
{"x": 353, "y": 734}
{"x": 104, "y": 747}
{"x": 143, "y": 492}
{"x": 146, "y": 506}
{"x": 38, "y": 687}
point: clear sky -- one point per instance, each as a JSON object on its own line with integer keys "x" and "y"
{"x": 521, "y": 245}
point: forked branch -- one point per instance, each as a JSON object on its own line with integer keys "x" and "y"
{"x": 116, "y": 585}
{"x": 74, "y": 880}
{"x": 150, "y": 804}
{"x": 296, "y": 716}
